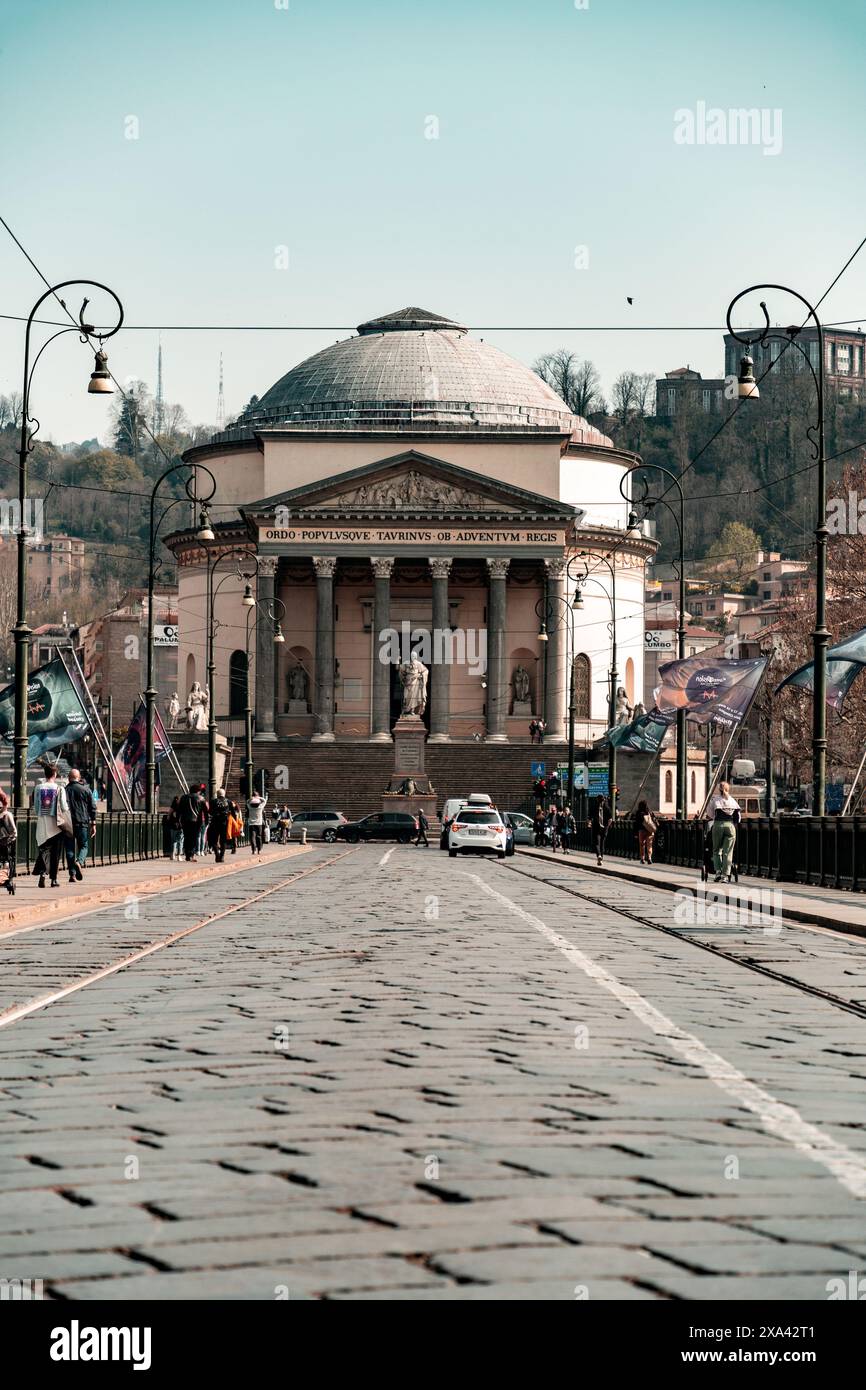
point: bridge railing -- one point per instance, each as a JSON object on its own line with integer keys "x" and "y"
{"x": 120, "y": 838}
{"x": 825, "y": 851}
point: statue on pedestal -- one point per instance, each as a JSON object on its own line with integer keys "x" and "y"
{"x": 413, "y": 678}
{"x": 172, "y": 709}
{"x": 521, "y": 702}
{"x": 197, "y": 704}
{"x": 623, "y": 708}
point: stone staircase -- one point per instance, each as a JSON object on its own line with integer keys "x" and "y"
{"x": 351, "y": 777}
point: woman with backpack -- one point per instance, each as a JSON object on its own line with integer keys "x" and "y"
{"x": 645, "y": 825}
{"x": 220, "y": 812}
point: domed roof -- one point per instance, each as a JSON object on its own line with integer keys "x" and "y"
{"x": 411, "y": 368}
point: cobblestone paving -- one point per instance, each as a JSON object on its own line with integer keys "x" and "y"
{"x": 386, "y": 1081}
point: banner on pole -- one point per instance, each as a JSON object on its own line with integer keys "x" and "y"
{"x": 131, "y": 759}
{"x": 55, "y": 711}
{"x": 845, "y": 661}
{"x": 714, "y": 689}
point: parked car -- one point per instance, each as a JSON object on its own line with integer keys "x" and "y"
{"x": 452, "y": 806}
{"x": 319, "y": 825}
{"x": 387, "y": 825}
{"x": 478, "y": 831}
{"x": 524, "y": 830}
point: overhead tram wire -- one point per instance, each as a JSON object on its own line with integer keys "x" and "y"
{"x": 475, "y": 328}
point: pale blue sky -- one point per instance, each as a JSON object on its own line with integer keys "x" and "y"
{"x": 262, "y": 127}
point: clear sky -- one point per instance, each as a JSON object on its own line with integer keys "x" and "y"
{"x": 262, "y": 127}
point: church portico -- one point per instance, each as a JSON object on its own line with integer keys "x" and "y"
{"x": 400, "y": 522}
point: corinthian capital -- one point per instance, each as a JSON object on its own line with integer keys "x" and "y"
{"x": 383, "y": 566}
{"x": 498, "y": 569}
{"x": 325, "y": 566}
{"x": 440, "y": 567}
{"x": 267, "y": 566}
{"x": 556, "y": 567}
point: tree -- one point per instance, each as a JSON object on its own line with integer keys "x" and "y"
{"x": 576, "y": 381}
{"x": 625, "y": 396}
{"x": 131, "y": 411}
{"x": 736, "y": 549}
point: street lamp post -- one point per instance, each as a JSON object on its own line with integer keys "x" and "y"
{"x": 100, "y": 384}
{"x": 747, "y": 389}
{"x": 566, "y": 615}
{"x": 649, "y": 503}
{"x": 254, "y": 605}
{"x": 204, "y": 534}
{"x": 613, "y": 674}
{"x": 237, "y": 553}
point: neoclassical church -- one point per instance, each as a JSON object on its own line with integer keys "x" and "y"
{"x": 413, "y": 480}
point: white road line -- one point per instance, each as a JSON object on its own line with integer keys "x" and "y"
{"x": 387, "y": 855}
{"x": 779, "y": 1119}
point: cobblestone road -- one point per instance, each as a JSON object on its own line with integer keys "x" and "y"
{"x": 402, "y": 1076}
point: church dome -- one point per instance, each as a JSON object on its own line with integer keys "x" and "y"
{"x": 410, "y": 369}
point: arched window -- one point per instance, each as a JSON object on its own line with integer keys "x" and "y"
{"x": 190, "y": 671}
{"x": 629, "y": 680}
{"x": 582, "y": 676}
{"x": 669, "y": 785}
{"x": 694, "y": 788}
{"x": 237, "y": 683}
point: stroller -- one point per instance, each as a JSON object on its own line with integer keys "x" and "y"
{"x": 708, "y": 868}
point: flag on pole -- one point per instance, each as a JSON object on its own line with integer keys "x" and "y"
{"x": 55, "y": 712}
{"x": 131, "y": 759}
{"x": 845, "y": 661}
{"x": 717, "y": 689}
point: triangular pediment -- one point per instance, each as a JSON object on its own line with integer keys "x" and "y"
{"x": 413, "y": 484}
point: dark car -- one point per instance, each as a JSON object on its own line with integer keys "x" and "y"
{"x": 387, "y": 825}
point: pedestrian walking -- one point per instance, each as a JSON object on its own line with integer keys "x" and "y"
{"x": 8, "y": 842}
{"x": 193, "y": 818}
{"x": 533, "y": 730}
{"x": 202, "y": 845}
{"x": 538, "y": 827}
{"x": 255, "y": 810}
{"x": 562, "y": 830}
{"x": 645, "y": 825}
{"x": 539, "y": 730}
{"x": 175, "y": 828}
{"x": 52, "y": 824}
{"x": 83, "y": 817}
{"x": 423, "y": 825}
{"x": 725, "y": 813}
{"x": 235, "y": 826}
{"x": 218, "y": 826}
{"x": 600, "y": 823}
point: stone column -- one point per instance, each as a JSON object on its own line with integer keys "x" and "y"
{"x": 440, "y": 670}
{"x": 557, "y": 628}
{"x": 265, "y": 697}
{"x": 383, "y": 567}
{"x": 325, "y": 566}
{"x": 497, "y": 696}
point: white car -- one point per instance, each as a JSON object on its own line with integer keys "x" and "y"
{"x": 455, "y": 804}
{"x": 478, "y": 830}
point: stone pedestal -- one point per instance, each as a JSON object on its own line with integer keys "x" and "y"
{"x": 298, "y": 707}
{"x": 522, "y": 709}
{"x": 410, "y": 735}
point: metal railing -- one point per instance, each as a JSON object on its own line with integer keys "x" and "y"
{"x": 121, "y": 837}
{"x": 824, "y": 851}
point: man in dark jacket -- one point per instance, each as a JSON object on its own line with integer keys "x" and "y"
{"x": 423, "y": 824}
{"x": 192, "y": 815}
{"x": 77, "y": 841}
{"x": 220, "y": 810}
